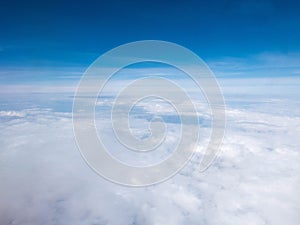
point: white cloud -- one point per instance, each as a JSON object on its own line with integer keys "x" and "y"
{"x": 266, "y": 64}
{"x": 12, "y": 113}
{"x": 255, "y": 179}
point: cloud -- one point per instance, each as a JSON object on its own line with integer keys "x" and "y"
{"x": 12, "y": 114}
{"x": 265, "y": 64}
{"x": 255, "y": 179}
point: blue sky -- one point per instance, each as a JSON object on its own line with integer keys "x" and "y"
{"x": 253, "y": 47}
{"x": 44, "y": 40}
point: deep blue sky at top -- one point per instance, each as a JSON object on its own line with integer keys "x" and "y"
{"x": 73, "y": 33}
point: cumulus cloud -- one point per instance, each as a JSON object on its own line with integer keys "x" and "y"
{"x": 255, "y": 179}
{"x": 12, "y": 114}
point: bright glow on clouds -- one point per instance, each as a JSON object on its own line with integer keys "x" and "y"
{"x": 255, "y": 179}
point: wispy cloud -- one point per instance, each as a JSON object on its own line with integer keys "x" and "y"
{"x": 261, "y": 65}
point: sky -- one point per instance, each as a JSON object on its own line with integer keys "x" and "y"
{"x": 253, "y": 48}
{"x": 40, "y": 39}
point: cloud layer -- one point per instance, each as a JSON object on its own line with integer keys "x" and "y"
{"x": 255, "y": 179}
